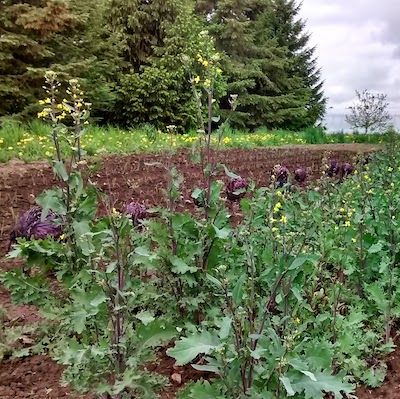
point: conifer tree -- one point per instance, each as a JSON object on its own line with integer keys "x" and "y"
{"x": 258, "y": 68}
{"x": 26, "y": 30}
{"x": 290, "y": 31}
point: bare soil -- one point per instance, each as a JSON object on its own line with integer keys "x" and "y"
{"x": 136, "y": 177}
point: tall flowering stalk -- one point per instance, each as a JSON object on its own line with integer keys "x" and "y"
{"x": 52, "y": 111}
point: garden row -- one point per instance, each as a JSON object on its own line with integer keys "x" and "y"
{"x": 137, "y": 177}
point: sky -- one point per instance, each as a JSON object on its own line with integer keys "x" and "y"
{"x": 358, "y": 47}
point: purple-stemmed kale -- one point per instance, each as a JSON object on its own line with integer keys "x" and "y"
{"x": 300, "y": 175}
{"x": 334, "y": 168}
{"x": 137, "y": 212}
{"x": 33, "y": 225}
{"x": 281, "y": 174}
{"x": 236, "y": 189}
{"x": 347, "y": 169}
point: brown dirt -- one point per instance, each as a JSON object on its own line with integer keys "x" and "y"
{"x": 131, "y": 177}
{"x": 126, "y": 178}
{"x": 391, "y": 388}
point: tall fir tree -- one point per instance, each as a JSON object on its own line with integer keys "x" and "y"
{"x": 258, "y": 68}
{"x": 26, "y": 30}
{"x": 67, "y": 36}
{"x": 289, "y": 30}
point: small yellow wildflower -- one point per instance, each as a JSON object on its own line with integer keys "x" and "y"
{"x": 283, "y": 219}
{"x": 347, "y": 223}
{"x": 342, "y": 210}
{"x": 354, "y": 240}
{"x": 297, "y": 320}
{"x": 196, "y": 79}
{"x": 60, "y": 106}
{"x": 10, "y": 148}
{"x": 277, "y": 207}
{"x": 274, "y": 229}
{"x": 390, "y": 169}
{"x": 207, "y": 83}
{"x": 47, "y": 101}
{"x": 205, "y": 63}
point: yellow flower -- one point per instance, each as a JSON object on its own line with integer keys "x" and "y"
{"x": 354, "y": 240}
{"x": 196, "y": 79}
{"x": 342, "y": 210}
{"x": 283, "y": 219}
{"x": 60, "y": 106}
{"x": 47, "y": 101}
{"x": 390, "y": 169}
{"x": 207, "y": 83}
{"x": 297, "y": 320}
{"x": 274, "y": 229}
{"x": 277, "y": 207}
{"x": 205, "y": 63}
{"x": 41, "y": 102}
{"x": 347, "y": 223}
{"x": 10, "y": 148}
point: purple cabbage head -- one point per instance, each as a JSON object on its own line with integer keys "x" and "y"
{"x": 347, "y": 169}
{"x": 32, "y": 226}
{"x": 334, "y": 168}
{"x": 281, "y": 174}
{"x": 137, "y": 212}
{"x": 236, "y": 189}
{"x": 300, "y": 175}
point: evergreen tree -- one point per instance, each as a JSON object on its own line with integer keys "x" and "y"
{"x": 290, "y": 32}
{"x": 157, "y": 36}
{"x": 26, "y": 30}
{"x": 258, "y": 68}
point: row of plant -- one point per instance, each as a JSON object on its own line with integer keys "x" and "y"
{"x": 297, "y": 299}
{"x": 32, "y": 142}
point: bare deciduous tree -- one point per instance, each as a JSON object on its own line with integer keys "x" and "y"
{"x": 370, "y": 112}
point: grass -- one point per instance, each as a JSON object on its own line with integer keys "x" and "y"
{"x": 31, "y": 142}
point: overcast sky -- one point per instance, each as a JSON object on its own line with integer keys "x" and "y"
{"x": 358, "y": 47}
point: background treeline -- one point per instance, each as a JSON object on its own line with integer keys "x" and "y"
{"x": 131, "y": 56}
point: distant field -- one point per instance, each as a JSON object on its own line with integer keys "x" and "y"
{"x": 32, "y": 141}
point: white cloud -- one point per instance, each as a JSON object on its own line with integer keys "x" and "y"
{"x": 358, "y": 47}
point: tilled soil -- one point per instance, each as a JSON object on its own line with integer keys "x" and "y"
{"x": 142, "y": 178}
